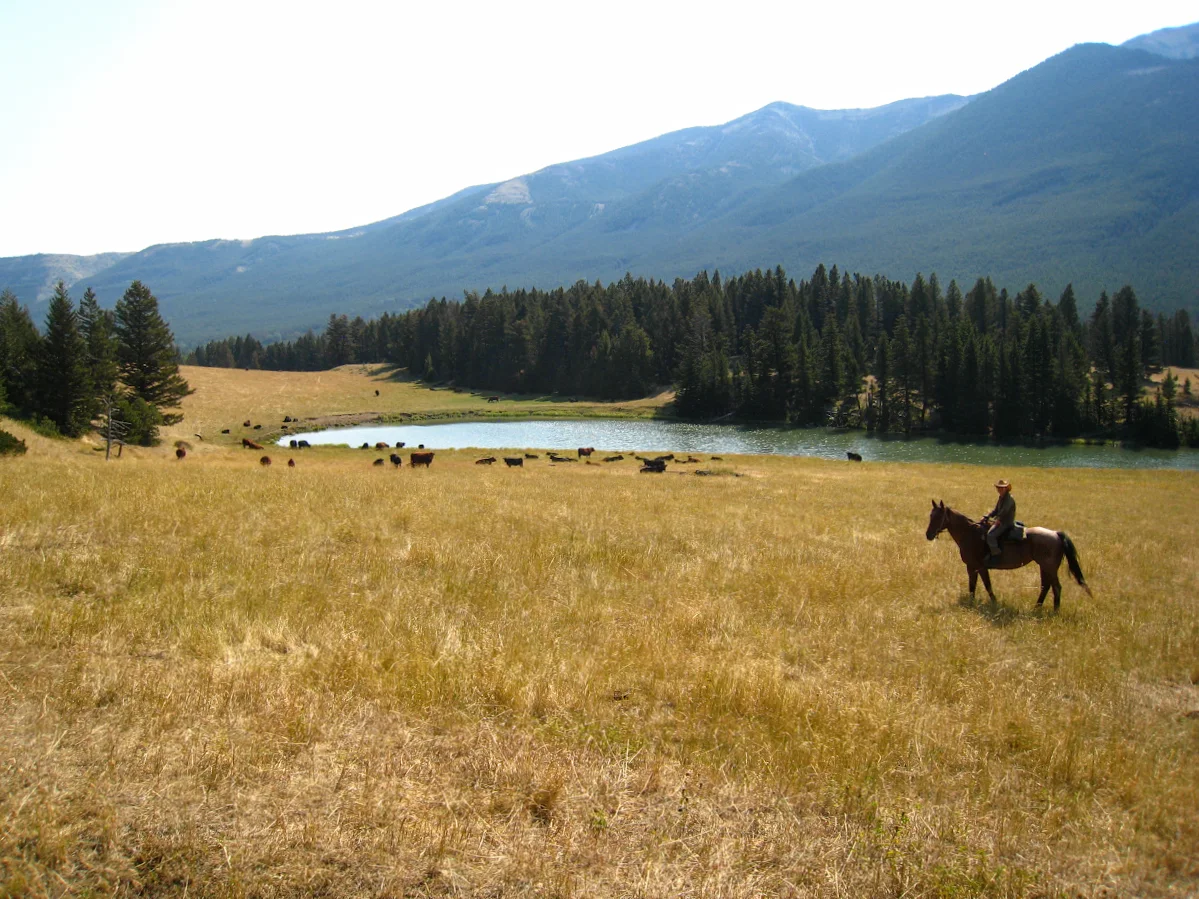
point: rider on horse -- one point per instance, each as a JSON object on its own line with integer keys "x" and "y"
{"x": 1000, "y": 519}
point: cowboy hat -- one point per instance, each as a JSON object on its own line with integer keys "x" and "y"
{"x": 1003, "y": 485}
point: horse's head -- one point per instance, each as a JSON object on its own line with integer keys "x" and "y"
{"x": 938, "y": 520}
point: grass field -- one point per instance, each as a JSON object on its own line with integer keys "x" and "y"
{"x": 226, "y": 398}
{"x": 218, "y": 679}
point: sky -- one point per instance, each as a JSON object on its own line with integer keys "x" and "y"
{"x": 127, "y": 123}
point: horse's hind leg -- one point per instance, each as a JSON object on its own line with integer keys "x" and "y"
{"x": 1057, "y": 592}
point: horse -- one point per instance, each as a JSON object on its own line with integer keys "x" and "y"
{"x": 1045, "y": 547}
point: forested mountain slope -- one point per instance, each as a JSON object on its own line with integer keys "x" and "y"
{"x": 278, "y": 285}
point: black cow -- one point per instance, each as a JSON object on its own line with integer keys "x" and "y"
{"x": 853, "y": 457}
{"x": 655, "y": 466}
{"x": 294, "y": 444}
{"x": 532, "y": 456}
{"x": 303, "y": 444}
{"x": 396, "y": 460}
{"x": 614, "y": 458}
{"x": 514, "y": 461}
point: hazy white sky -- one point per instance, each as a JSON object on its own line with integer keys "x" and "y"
{"x": 133, "y": 122}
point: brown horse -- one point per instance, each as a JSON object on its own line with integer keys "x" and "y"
{"x": 1045, "y": 547}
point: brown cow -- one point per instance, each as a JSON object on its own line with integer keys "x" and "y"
{"x": 382, "y": 444}
{"x": 246, "y": 423}
{"x": 264, "y": 461}
{"x": 586, "y": 451}
{"x": 379, "y": 462}
{"x": 291, "y": 463}
{"x": 250, "y": 444}
{"x": 493, "y": 399}
{"x": 180, "y": 454}
{"x": 424, "y": 459}
{"x": 486, "y": 460}
{"x": 616, "y": 458}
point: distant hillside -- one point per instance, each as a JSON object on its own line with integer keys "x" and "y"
{"x": 32, "y": 278}
{"x": 1175, "y": 43}
{"x": 279, "y": 285}
{"x": 1081, "y": 169}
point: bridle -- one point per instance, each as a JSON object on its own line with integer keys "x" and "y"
{"x": 943, "y": 510}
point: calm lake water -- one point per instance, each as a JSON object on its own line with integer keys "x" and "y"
{"x": 617, "y": 435}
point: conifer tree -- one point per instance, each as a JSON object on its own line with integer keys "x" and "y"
{"x": 19, "y": 342}
{"x": 146, "y": 354}
{"x": 63, "y": 384}
{"x": 96, "y": 325}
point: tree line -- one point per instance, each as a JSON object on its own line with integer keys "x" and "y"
{"x": 838, "y": 349}
{"x": 89, "y": 363}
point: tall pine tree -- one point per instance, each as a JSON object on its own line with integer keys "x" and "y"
{"x": 146, "y": 356}
{"x": 63, "y": 385}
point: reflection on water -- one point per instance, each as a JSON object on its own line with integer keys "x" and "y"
{"x": 671, "y": 436}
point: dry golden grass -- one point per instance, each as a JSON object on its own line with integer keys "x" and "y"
{"x": 223, "y": 680}
{"x": 225, "y": 398}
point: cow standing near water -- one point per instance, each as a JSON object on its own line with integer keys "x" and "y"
{"x": 425, "y": 459}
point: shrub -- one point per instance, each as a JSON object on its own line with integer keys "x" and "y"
{"x": 10, "y": 445}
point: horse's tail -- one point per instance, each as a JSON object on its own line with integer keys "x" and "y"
{"x": 1072, "y": 561}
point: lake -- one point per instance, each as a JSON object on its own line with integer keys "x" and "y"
{"x": 617, "y": 435}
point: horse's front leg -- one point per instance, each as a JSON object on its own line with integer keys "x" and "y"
{"x": 1045, "y": 583}
{"x": 973, "y": 580}
{"x": 986, "y": 576}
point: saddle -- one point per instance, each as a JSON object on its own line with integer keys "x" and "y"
{"x": 1014, "y": 534}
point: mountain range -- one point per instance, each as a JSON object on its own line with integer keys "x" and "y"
{"x": 1081, "y": 169}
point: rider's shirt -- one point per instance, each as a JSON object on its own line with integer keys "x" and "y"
{"x": 1004, "y": 513}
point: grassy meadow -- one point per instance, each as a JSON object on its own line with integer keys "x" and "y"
{"x": 226, "y": 398}
{"x": 219, "y": 679}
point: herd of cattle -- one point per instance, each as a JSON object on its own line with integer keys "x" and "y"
{"x": 421, "y": 457}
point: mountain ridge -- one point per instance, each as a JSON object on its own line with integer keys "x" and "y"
{"x": 1076, "y": 170}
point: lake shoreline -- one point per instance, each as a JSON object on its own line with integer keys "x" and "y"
{"x": 441, "y": 430}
